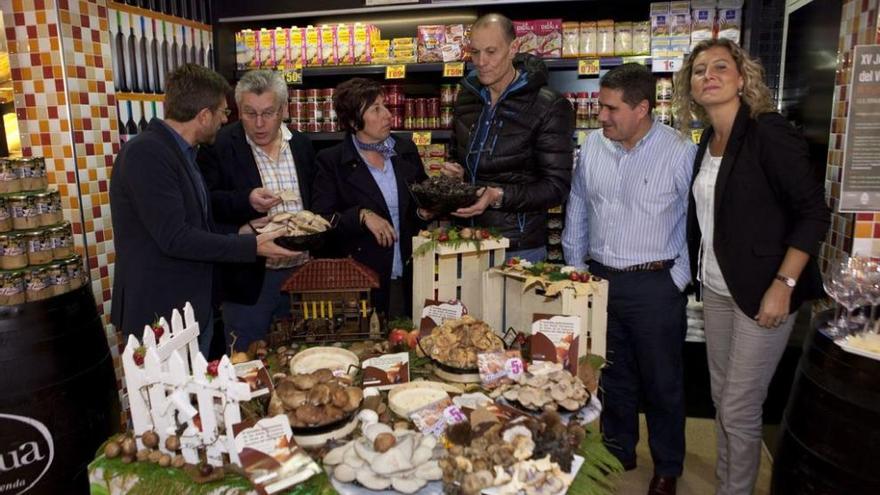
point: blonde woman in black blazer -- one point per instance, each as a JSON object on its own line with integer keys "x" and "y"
{"x": 756, "y": 220}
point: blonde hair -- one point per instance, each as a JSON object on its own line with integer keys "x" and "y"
{"x": 755, "y": 92}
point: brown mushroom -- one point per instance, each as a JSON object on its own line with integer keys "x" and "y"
{"x": 150, "y": 439}
{"x": 332, "y": 413}
{"x": 319, "y": 394}
{"x": 172, "y": 443}
{"x": 323, "y": 375}
{"x": 308, "y": 414}
{"x": 129, "y": 447}
{"x": 355, "y": 396}
{"x": 295, "y": 399}
{"x": 165, "y": 460}
{"x": 112, "y": 450}
{"x": 178, "y": 461}
{"x": 338, "y": 396}
{"x": 383, "y": 442}
{"x": 304, "y": 382}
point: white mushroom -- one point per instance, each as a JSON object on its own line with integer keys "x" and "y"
{"x": 421, "y": 455}
{"x": 344, "y": 473}
{"x": 428, "y": 441}
{"x": 408, "y": 485}
{"x": 429, "y": 471}
{"x": 364, "y": 451}
{"x": 371, "y": 480}
{"x": 335, "y": 456}
{"x": 373, "y": 430}
{"x": 406, "y": 446}
{"x": 351, "y": 458}
{"x": 391, "y": 462}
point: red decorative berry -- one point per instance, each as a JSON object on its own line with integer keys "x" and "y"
{"x": 214, "y": 367}
{"x": 485, "y": 234}
{"x": 585, "y": 277}
{"x": 443, "y": 237}
{"x": 512, "y": 262}
{"x": 574, "y": 277}
{"x": 139, "y": 354}
{"x": 158, "y": 331}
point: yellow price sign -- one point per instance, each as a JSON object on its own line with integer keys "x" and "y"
{"x": 422, "y": 138}
{"x": 396, "y": 71}
{"x": 291, "y": 76}
{"x": 453, "y": 69}
{"x": 588, "y": 67}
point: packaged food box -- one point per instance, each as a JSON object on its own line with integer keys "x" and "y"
{"x": 641, "y": 38}
{"x": 454, "y": 47}
{"x": 403, "y": 43}
{"x": 623, "y": 38}
{"x": 570, "y": 39}
{"x": 282, "y": 47}
{"x": 587, "y": 42}
{"x": 702, "y": 20}
{"x": 679, "y": 19}
{"x": 730, "y": 19}
{"x": 344, "y": 44}
{"x": 246, "y": 50}
{"x": 405, "y": 56}
{"x": 266, "y": 49}
{"x": 312, "y": 47}
{"x": 605, "y": 38}
{"x": 361, "y": 44}
{"x": 327, "y": 35}
{"x": 548, "y": 33}
{"x": 525, "y": 39}
{"x": 431, "y": 39}
{"x": 659, "y": 20}
{"x": 296, "y": 46}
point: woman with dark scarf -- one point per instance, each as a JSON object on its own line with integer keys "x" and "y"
{"x": 364, "y": 179}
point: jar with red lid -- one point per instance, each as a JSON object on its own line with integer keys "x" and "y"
{"x": 433, "y": 113}
{"x": 313, "y": 127}
{"x": 409, "y": 113}
{"x": 298, "y": 95}
{"x": 446, "y": 118}
{"x": 447, "y": 95}
{"x": 313, "y": 94}
{"x": 421, "y": 113}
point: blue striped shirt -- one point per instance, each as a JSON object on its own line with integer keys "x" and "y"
{"x": 629, "y": 207}
{"x": 386, "y": 179}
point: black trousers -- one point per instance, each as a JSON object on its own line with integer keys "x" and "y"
{"x": 646, "y": 330}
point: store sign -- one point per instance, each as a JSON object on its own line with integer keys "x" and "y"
{"x": 588, "y": 67}
{"x": 421, "y": 138}
{"x": 667, "y": 64}
{"x": 860, "y": 181}
{"x": 292, "y": 76}
{"x": 453, "y": 69}
{"x": 396, "y": 71}
{"x": 27, "y": 453}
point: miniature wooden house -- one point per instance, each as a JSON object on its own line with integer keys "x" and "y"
{"x": 332, "y": 296}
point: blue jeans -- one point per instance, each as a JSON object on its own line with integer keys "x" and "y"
{"x": 252, "y": 322}
{"x": 533, "y": 255}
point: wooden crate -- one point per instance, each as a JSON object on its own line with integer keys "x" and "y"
{"x": 505, "y": 305}
{"x": 453, "y": 273}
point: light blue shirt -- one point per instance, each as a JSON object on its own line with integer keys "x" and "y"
{"x": 387, "y": 182}
{"x": 629, "y": 207}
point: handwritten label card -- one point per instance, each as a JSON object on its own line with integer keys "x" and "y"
{"x": 555, "y": 339}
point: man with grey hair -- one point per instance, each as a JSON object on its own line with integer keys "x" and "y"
{"x": 256, "y": 168}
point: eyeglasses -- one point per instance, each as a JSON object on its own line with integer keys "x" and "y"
{"x": 266, "y": 115}
{"x": 227, "y": 111}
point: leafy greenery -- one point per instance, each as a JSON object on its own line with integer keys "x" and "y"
{"x": 401, "y": 322}
{"x": 599, "y": 471}
{"x": 453, "y": 238}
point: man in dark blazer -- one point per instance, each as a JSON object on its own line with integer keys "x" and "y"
{"x": 165, "y": 244}
{"x": 257, "y": 168}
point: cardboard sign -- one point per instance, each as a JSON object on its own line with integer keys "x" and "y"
{"x": 435, "y": 313}
{"x": 255, "y": 374}
{"x": 501, "y": 367}
{"x": 386, "y": 371}
{"x": 270, "y": 458}
{"x": 555, "y": 339}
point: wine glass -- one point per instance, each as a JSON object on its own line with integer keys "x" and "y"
{"x": 839, "y": 291}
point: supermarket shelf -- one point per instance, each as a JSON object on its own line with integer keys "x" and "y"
{"x": 438, "y": 134}
{"x": 353, "y": 70}
{"x": 140, "y": 96}
{"x": 381, "y": 8}
{"x": 151, "y": 14}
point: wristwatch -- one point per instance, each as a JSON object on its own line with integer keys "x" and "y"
{"x": 790, "y": 282}
{"x": 497, "y": 203}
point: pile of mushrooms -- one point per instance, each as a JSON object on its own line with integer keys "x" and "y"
{"x": 382, "y": 458}
{"x": 548, "y": 391}
{"x": 300, "y": 223}
{"x": 456, "y": 343}
{"x": 314, "y": 399}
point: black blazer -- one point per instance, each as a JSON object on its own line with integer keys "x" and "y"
{"x": 344, "y": 185}
{"x": 767, "y": 199}
{"x": 231, "y": 173}
{"x": 165, "y": 248}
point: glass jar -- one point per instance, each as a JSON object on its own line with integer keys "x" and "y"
{"x": 43, "y": 202}
{"x": 39, "y": 247}
{"x": 10, "y": 182}
{"x": 13, "y": 251}
{"x": 61, "y": 238}
{"x": 37, "y": 286}
{"x": 5, "y": 217}
{"x": 75, "y": 275}
{"x": 58, "y": 279}
{"x": 24, "y": 212}
{"x": 37, "y": 180}
{"x": 12, "y": 288}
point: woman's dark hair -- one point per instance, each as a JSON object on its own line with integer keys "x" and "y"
{"x": 352, "y": 98}
{"x": 192, "y": 88}
{"x": 634, "y": 80}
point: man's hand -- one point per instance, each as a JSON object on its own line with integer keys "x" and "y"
{"x": 267, "y": 248}
{"x": 252, "y": 226}
{"x": 488, "y": 195}
{"x": 381, "y": 229}
{"x": 262, "y": 199}
{"x": 453, "y": 170}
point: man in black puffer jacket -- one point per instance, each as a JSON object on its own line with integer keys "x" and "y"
{"x": 513, "y": 135}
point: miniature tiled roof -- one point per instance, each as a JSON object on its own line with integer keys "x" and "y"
{"x": 332, "y": 274}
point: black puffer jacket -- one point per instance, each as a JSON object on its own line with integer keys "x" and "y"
{"x": 527, "y": 151}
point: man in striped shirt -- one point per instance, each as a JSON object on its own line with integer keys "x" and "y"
{"x": 625, "y": 219}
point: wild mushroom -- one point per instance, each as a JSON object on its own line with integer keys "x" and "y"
{"x": 354, "y": 397}
{"x": 383, "y": 442}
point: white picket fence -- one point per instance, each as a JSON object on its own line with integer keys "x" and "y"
{"x": 172, "y": 390}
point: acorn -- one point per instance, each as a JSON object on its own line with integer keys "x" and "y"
{"x": 155, "y": 456}
{"x": 172, "y": 443}
{"x": 126, "y": 459}
{"x": 112, "y": 450}
{"x": 466, "y": 233}
{"x": 143, "y": 455}
{"x": 205, "y": 469}
{"x": 178, "y": 461}
{"x": 165, "y": 460}
{"x": 150, "y": 439}
{"x": 129, "y": 447}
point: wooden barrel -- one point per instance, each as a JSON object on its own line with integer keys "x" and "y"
{"x": 830, "y": 438}
{"x": 58, "y": 394}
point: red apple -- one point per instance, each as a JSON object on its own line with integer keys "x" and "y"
{"x": 574, "y": 277}
{"x": 397, "y": 336}
{"x": 443, "y": 237}
{"x": 412, "y": 339}
{"x": 214, "y": 367}
{"x": 585, "y": 277}
{"x": 138, "y": 355}
{"x": 485, "y": 234}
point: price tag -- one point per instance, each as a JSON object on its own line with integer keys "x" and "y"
{"x": 635, "y": 60}
{"x": 453, "y": 69}
{"x": 396, "y": 71}
{"x": 667, "y": 64}
{"x": 588, "y": 67}
{"x": 422, "y": 138}
{"x": 292, "y": 75}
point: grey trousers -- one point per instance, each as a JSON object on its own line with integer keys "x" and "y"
{"x": 742, "y": 359}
